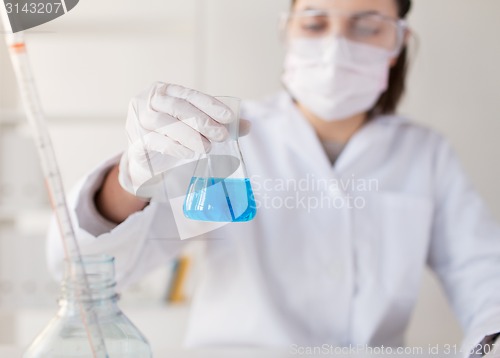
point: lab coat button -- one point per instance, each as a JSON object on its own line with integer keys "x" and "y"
{"x": 335, "y": 192}
{"x": 335, "y": 271}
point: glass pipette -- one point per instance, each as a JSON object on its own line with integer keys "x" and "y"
{"x": 53, "y": 179}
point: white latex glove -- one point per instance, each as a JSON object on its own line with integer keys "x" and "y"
{"x": 166, "y": 125}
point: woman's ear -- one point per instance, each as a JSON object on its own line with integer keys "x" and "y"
{"x": 406, "y": 38}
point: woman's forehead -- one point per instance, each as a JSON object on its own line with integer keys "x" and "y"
{"x": 385, "y": 7}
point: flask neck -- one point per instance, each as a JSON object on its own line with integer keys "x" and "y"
{"x": 228, "y": 147}
{"x": 224, "y": 160}
{"x": 96, "y": 288}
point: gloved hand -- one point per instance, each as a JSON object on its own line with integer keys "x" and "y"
{"x": 168, "y": 124}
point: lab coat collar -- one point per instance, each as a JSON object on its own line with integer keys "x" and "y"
{"x": 367, "y": 142}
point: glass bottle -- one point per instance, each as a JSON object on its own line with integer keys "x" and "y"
{"x": 220, "y": 190}
{"x": 66, "y": 337}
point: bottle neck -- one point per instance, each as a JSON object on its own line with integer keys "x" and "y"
{"x": 91, "y": 284}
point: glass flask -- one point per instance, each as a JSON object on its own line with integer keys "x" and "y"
{"x": 66, "y": 337}
{"x": 220, "y": 190}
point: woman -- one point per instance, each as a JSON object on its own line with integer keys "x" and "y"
{"x": 320, "y": 264}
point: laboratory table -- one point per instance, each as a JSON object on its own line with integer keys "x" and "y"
{"x": 15, "y": 352}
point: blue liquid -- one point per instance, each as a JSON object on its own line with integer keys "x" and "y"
{"x": 220, "y": 200}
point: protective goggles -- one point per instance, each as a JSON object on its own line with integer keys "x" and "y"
{"x": 370, "y": 28}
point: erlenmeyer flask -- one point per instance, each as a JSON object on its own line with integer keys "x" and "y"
{"x": 220, "y": 190}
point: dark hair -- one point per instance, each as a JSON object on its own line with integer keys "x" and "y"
{"x": 389, "y": 100}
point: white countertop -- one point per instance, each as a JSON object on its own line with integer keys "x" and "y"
{"x": 13, "y": 352}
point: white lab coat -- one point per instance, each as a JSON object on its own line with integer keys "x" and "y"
{"x": 338, "y": 275}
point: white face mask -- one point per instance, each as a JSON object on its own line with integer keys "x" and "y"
{"x": 335, "y": 78}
